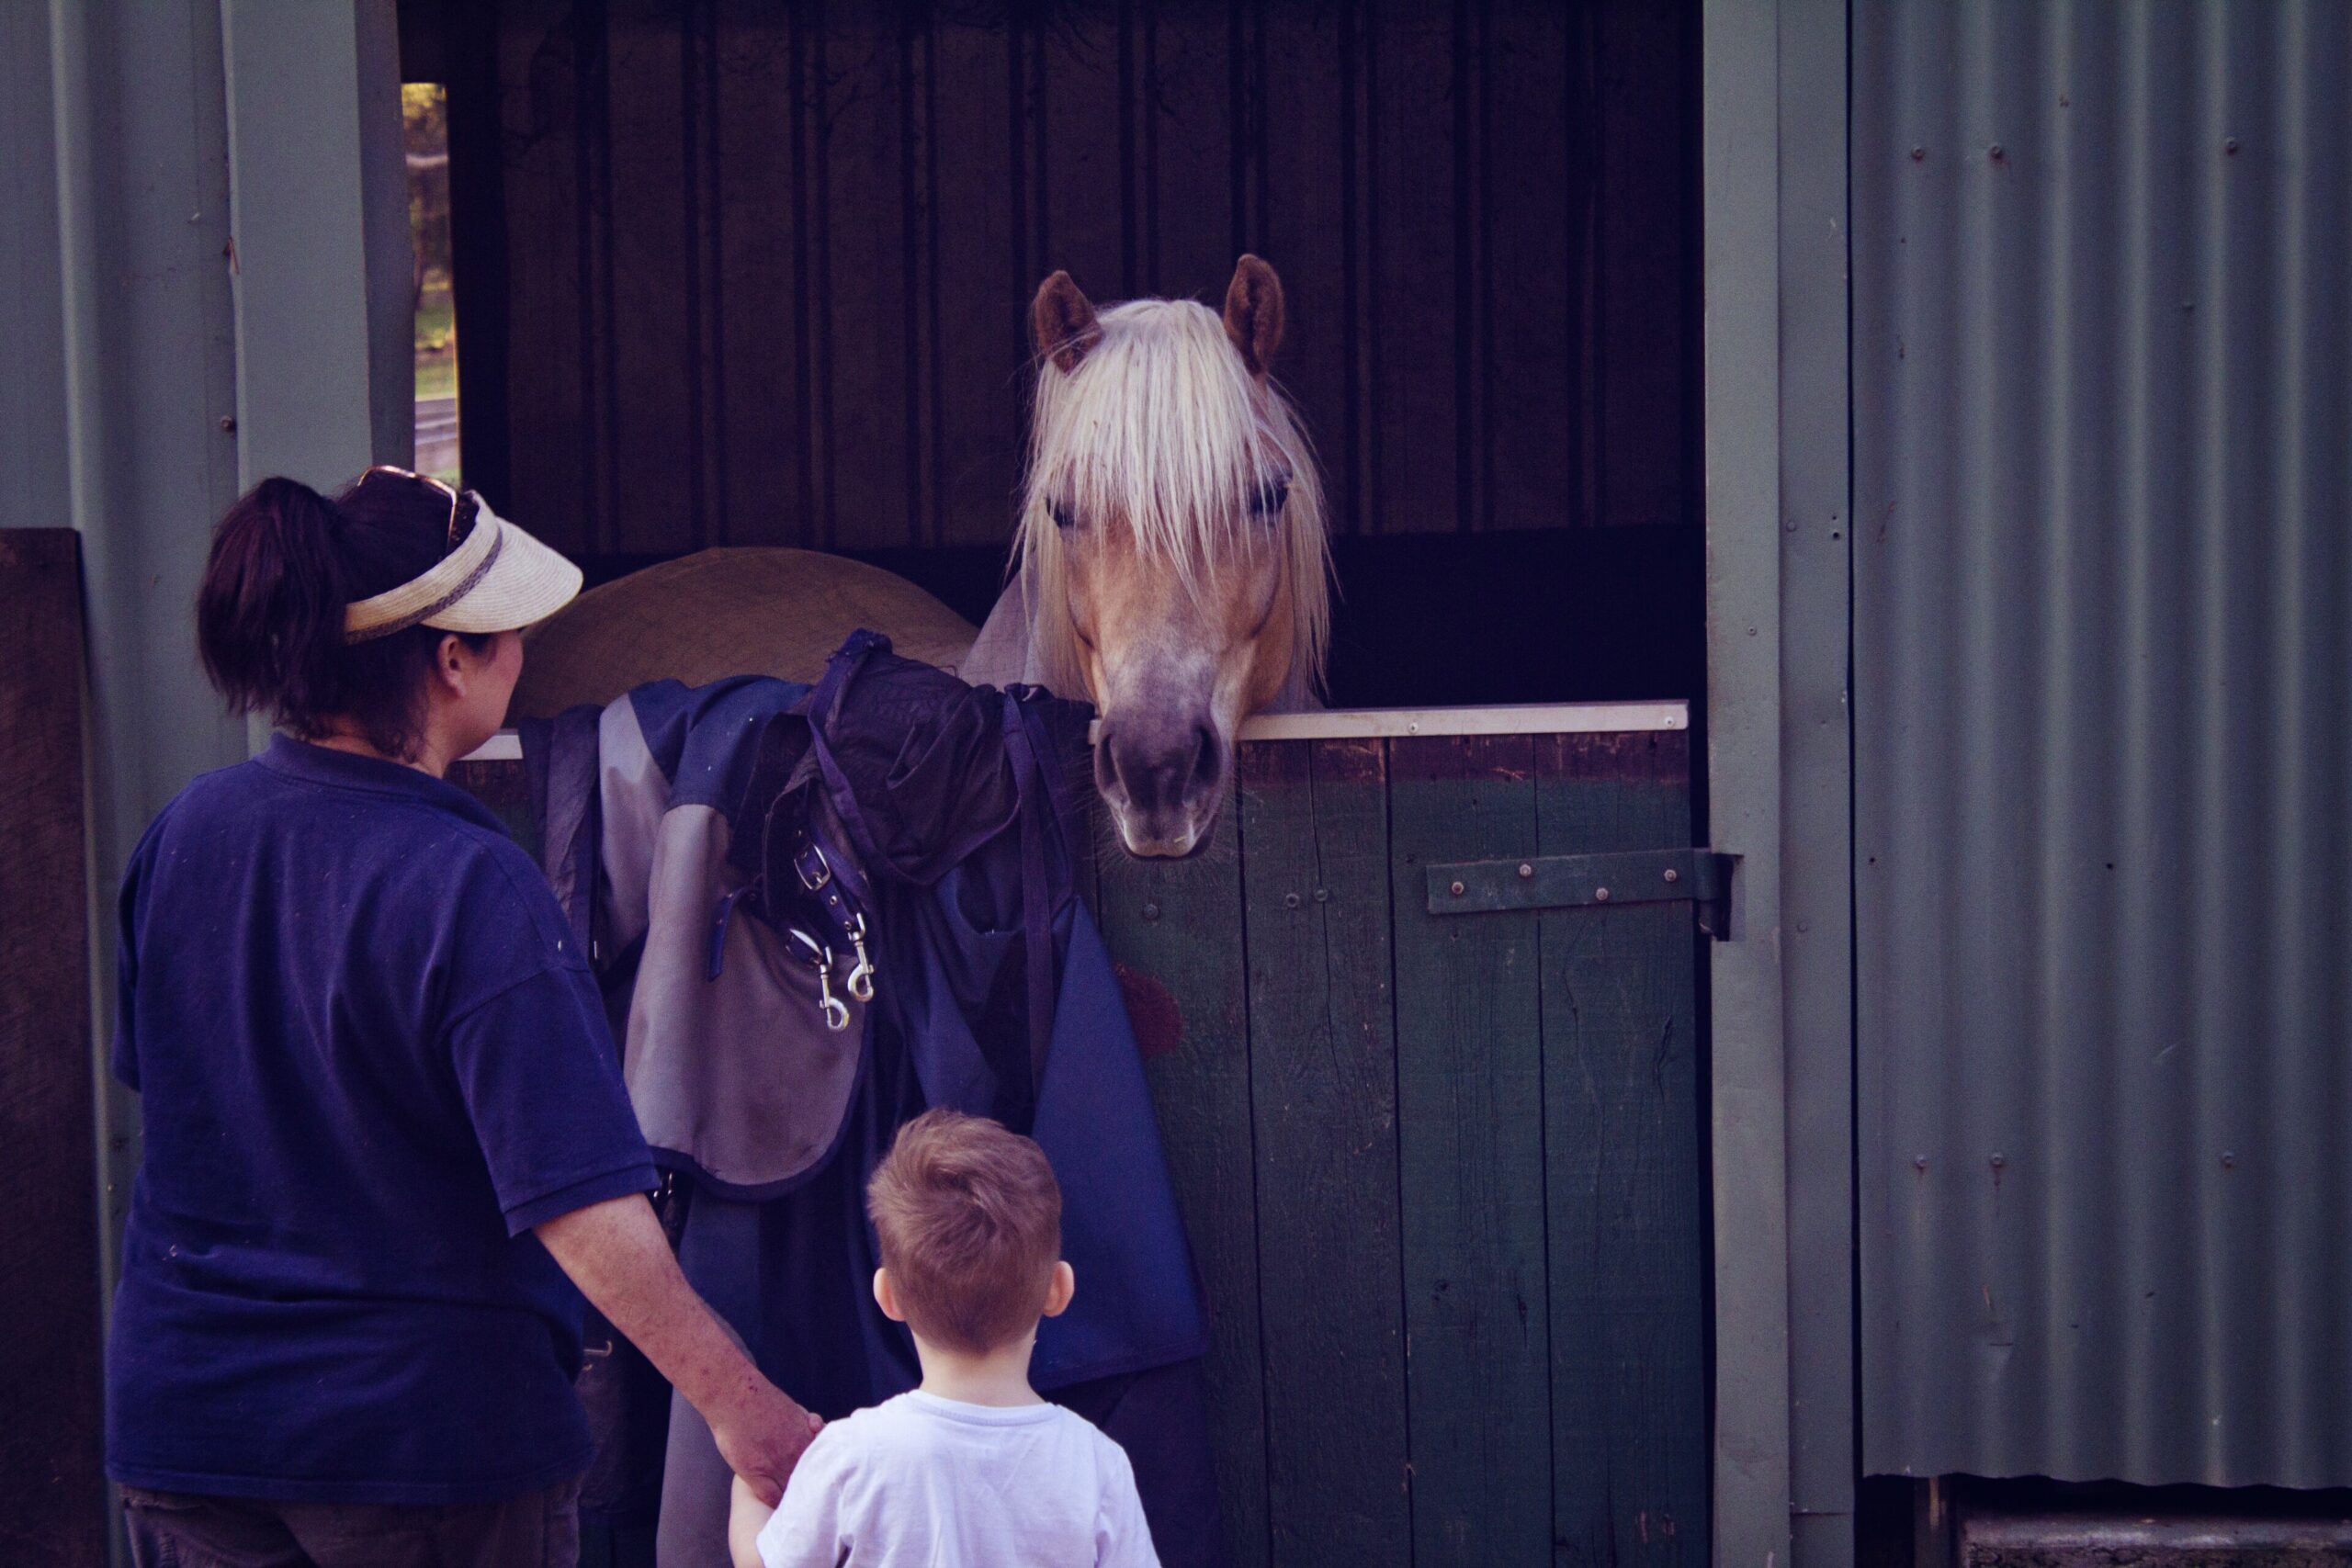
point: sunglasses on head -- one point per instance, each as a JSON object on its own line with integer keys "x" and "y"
{"x": 422, "y": 478}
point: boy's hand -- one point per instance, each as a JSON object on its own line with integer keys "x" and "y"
{"x": 746, "y": 1518}
{"x": 763, "y": 1437}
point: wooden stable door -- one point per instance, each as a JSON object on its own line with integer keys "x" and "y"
{"x": 1423, "y": 1026}
{"x": 1430, "y": 1087}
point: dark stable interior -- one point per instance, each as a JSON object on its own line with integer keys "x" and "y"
{"x": 760, "y": 274}
{"x": 1534, "y": 615}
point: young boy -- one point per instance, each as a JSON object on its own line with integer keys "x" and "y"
{"x": 971, "y": 1468}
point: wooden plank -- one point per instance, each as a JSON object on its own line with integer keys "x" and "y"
{"x": 863, "y": 334}
{"x": 1622, "y": 1121}
{"x": 479, "y": 234}
{"x": 1176, "y": 928}
{"x": 1529, "y": 275}
{"x": 982, "y": 342}
{"x": 1188, "y": 219}
{"x": 654, "y": 340}
{"x": 1544, "y": 718}
{"x": 918, "y": 278}
{"x": 928, "y": 406}
{"x": 1643, "y": 370}
{"x": 706, "y": 231}
{"x": 1311, "y": 220}
{"x": 765, "y": 419}
{"x": 1418, "y": 327}
{"x": 1470, "y": 1147}
{"x": 52, "y": 1484}
{"x": 1074, "y": 138}
{"x": 1322, "y": 1058}
{"x": 548, "y": 90}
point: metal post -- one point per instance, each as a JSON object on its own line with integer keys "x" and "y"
{"x": 1740, "y": 140}
{"x": 148, "y": 394}
{"x": 145, "y": 395}
{"x": 1816, "y": 814}
{"x": 318, "y": 196}
{"x": 150, "y": 388}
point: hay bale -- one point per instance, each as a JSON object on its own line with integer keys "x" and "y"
{"x": 748, "y": 611}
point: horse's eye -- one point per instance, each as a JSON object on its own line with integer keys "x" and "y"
{"x": 1272, "y": 498}
{"x": 1060, "y": 515}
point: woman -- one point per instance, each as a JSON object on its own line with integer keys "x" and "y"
{"x": 384, "y": 1117}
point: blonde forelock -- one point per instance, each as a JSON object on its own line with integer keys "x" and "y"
{"x": 1162, "y": 428}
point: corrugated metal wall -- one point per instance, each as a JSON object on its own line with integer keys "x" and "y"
{"x": 771, "y": 262}
{"x": 2103, "y": 672}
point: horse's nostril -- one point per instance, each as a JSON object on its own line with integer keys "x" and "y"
{"x": 1206, "y": 761}
{"x": 1157, "y": 770}
{"x": 1106, "y": 761}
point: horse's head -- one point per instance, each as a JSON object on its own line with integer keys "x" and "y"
{"x": 1173, "y": 541}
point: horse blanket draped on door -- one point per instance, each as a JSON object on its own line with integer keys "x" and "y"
{"x": 733, "y": 855}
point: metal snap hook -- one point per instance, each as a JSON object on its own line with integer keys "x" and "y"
{"x": 861, "y": 974}
{"x": 836, "y": 1009}
{"x": 819, "y": 957}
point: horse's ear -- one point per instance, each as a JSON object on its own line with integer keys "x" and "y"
{"x": 1253, "y": 313}
{"x": 1064, "y": 318}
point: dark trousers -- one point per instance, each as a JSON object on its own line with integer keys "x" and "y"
{"x": 168, "y": 1529}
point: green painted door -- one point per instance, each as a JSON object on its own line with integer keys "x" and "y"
{"x": 1441, "y": 1170}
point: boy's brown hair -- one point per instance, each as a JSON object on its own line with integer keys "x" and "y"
{"x": 970, "y": 1220}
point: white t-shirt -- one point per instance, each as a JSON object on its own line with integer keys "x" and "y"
{"x": 921, "y": 1481}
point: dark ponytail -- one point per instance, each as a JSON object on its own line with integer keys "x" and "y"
{"x": 269, "y": 613}
{"x": 286, "y": 561}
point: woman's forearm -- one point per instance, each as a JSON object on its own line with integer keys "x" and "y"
{"x": 616, "y": 1252}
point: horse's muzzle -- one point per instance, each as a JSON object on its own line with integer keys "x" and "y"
{"x": 1164, "y": 783}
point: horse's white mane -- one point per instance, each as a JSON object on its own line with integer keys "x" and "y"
{"x": 1162, "y": 426}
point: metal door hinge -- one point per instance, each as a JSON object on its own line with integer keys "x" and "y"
{"x": 1575, "y": 881}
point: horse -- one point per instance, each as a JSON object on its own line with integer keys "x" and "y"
{"x": 1171, "y": 564}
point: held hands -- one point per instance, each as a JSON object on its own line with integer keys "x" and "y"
{"x": 746, "y": 1518}
{"x": 617, "y": 1252}
{"x": 763, "y": 1437}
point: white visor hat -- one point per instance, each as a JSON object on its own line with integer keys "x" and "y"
{"x": 498, "y": 579}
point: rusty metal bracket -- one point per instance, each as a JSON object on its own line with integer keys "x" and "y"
{"x": 1577, "y": 882}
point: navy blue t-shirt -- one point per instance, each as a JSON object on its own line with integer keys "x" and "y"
{"x": 370, "y": 1058}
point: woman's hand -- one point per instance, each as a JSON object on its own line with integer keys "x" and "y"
{"x": 764, "y": 1437}
{"x": 616, "y": 1253}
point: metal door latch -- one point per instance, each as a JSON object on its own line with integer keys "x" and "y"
{"x": 1696, "y": 877}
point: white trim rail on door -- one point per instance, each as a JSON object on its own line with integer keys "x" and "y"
{"x": 1556, "y": 719}
{"x": 1358, "y": 724}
